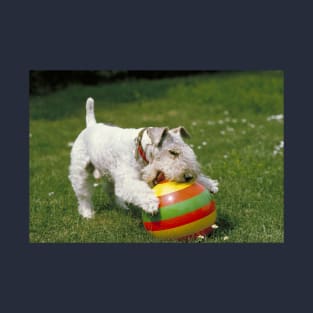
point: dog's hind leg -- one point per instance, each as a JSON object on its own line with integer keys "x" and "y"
{"x": 80, "y": 178}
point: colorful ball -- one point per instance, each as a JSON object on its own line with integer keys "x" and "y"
{"x": 186, "y": 210}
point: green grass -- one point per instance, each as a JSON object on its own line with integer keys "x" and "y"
{"x": 226, "y": 114}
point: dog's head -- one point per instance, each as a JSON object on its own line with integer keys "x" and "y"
{"x": 169, "y": 156}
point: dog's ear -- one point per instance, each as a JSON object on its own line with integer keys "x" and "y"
{"x": 157, "y": 135}
{"x": 181, "y": 131}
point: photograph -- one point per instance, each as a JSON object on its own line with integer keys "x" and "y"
{"x": 125, "y": 156}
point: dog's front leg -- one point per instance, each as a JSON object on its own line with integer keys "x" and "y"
{"x": 210, "y": 184}
{"x": 137, "y": 192}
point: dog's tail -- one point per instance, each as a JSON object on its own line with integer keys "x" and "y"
{"x": 90, "y": 113}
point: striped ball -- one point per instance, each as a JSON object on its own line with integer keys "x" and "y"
{"x": 186, "y": 211}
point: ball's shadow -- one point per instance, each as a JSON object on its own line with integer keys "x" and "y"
{"x": 224, "y": 221}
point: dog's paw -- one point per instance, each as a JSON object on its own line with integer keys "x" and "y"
{"x": 86, "y": 212}
{"x": 213, "y": 186}
{"x": 151, "y": 206}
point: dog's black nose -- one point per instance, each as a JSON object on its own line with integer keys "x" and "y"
{"x": 188, "y": 177}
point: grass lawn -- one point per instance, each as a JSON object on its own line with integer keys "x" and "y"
{"x": 234, "y": 134}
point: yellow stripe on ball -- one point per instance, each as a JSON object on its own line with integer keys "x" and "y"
{"x": 168, "y": 187}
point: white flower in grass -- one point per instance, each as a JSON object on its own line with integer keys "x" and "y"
{"x": 225, "y": 238}
{"x": 251, "y": 125}
{"x": 220, "y": 122}
{"x": 214, "y": 226}
{"x": 222, "y": 132}
{"x": 200, "y": 238}
{"x": 278, "y": 117}
{"x": 194, "y": 123}
{"x": 204, "y": 143}
{"x": 199, "y": 147}
{"x": 50, "y": 194}
{"x": 70, "y": 144}
{"x": 30, "y": 135}
{"x": 243, "y": 132}
{"x": 243, "y": 120}
{"x": 191, "y": 145}
{"x": 278, "y": 148}
{"x": 95, "y": 185}
{"x": 211, "y": 123}
{"x": 226, "y": 112}
{"x": 225, "y": 156}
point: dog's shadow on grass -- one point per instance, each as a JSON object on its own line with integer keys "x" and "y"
{"x": 132, "y": 210}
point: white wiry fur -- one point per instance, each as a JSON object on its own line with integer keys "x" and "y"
{"x": 103, "y": 150}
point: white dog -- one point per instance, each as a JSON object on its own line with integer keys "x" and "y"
{"x": 133, "y": 159}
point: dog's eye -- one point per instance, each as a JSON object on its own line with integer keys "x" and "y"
{"x": 174, "y": 153}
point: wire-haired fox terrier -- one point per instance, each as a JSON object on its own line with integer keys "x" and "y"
{"x": 134, "y": 159}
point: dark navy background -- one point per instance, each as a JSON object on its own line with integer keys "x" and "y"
{"x": 138, "y": 35}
